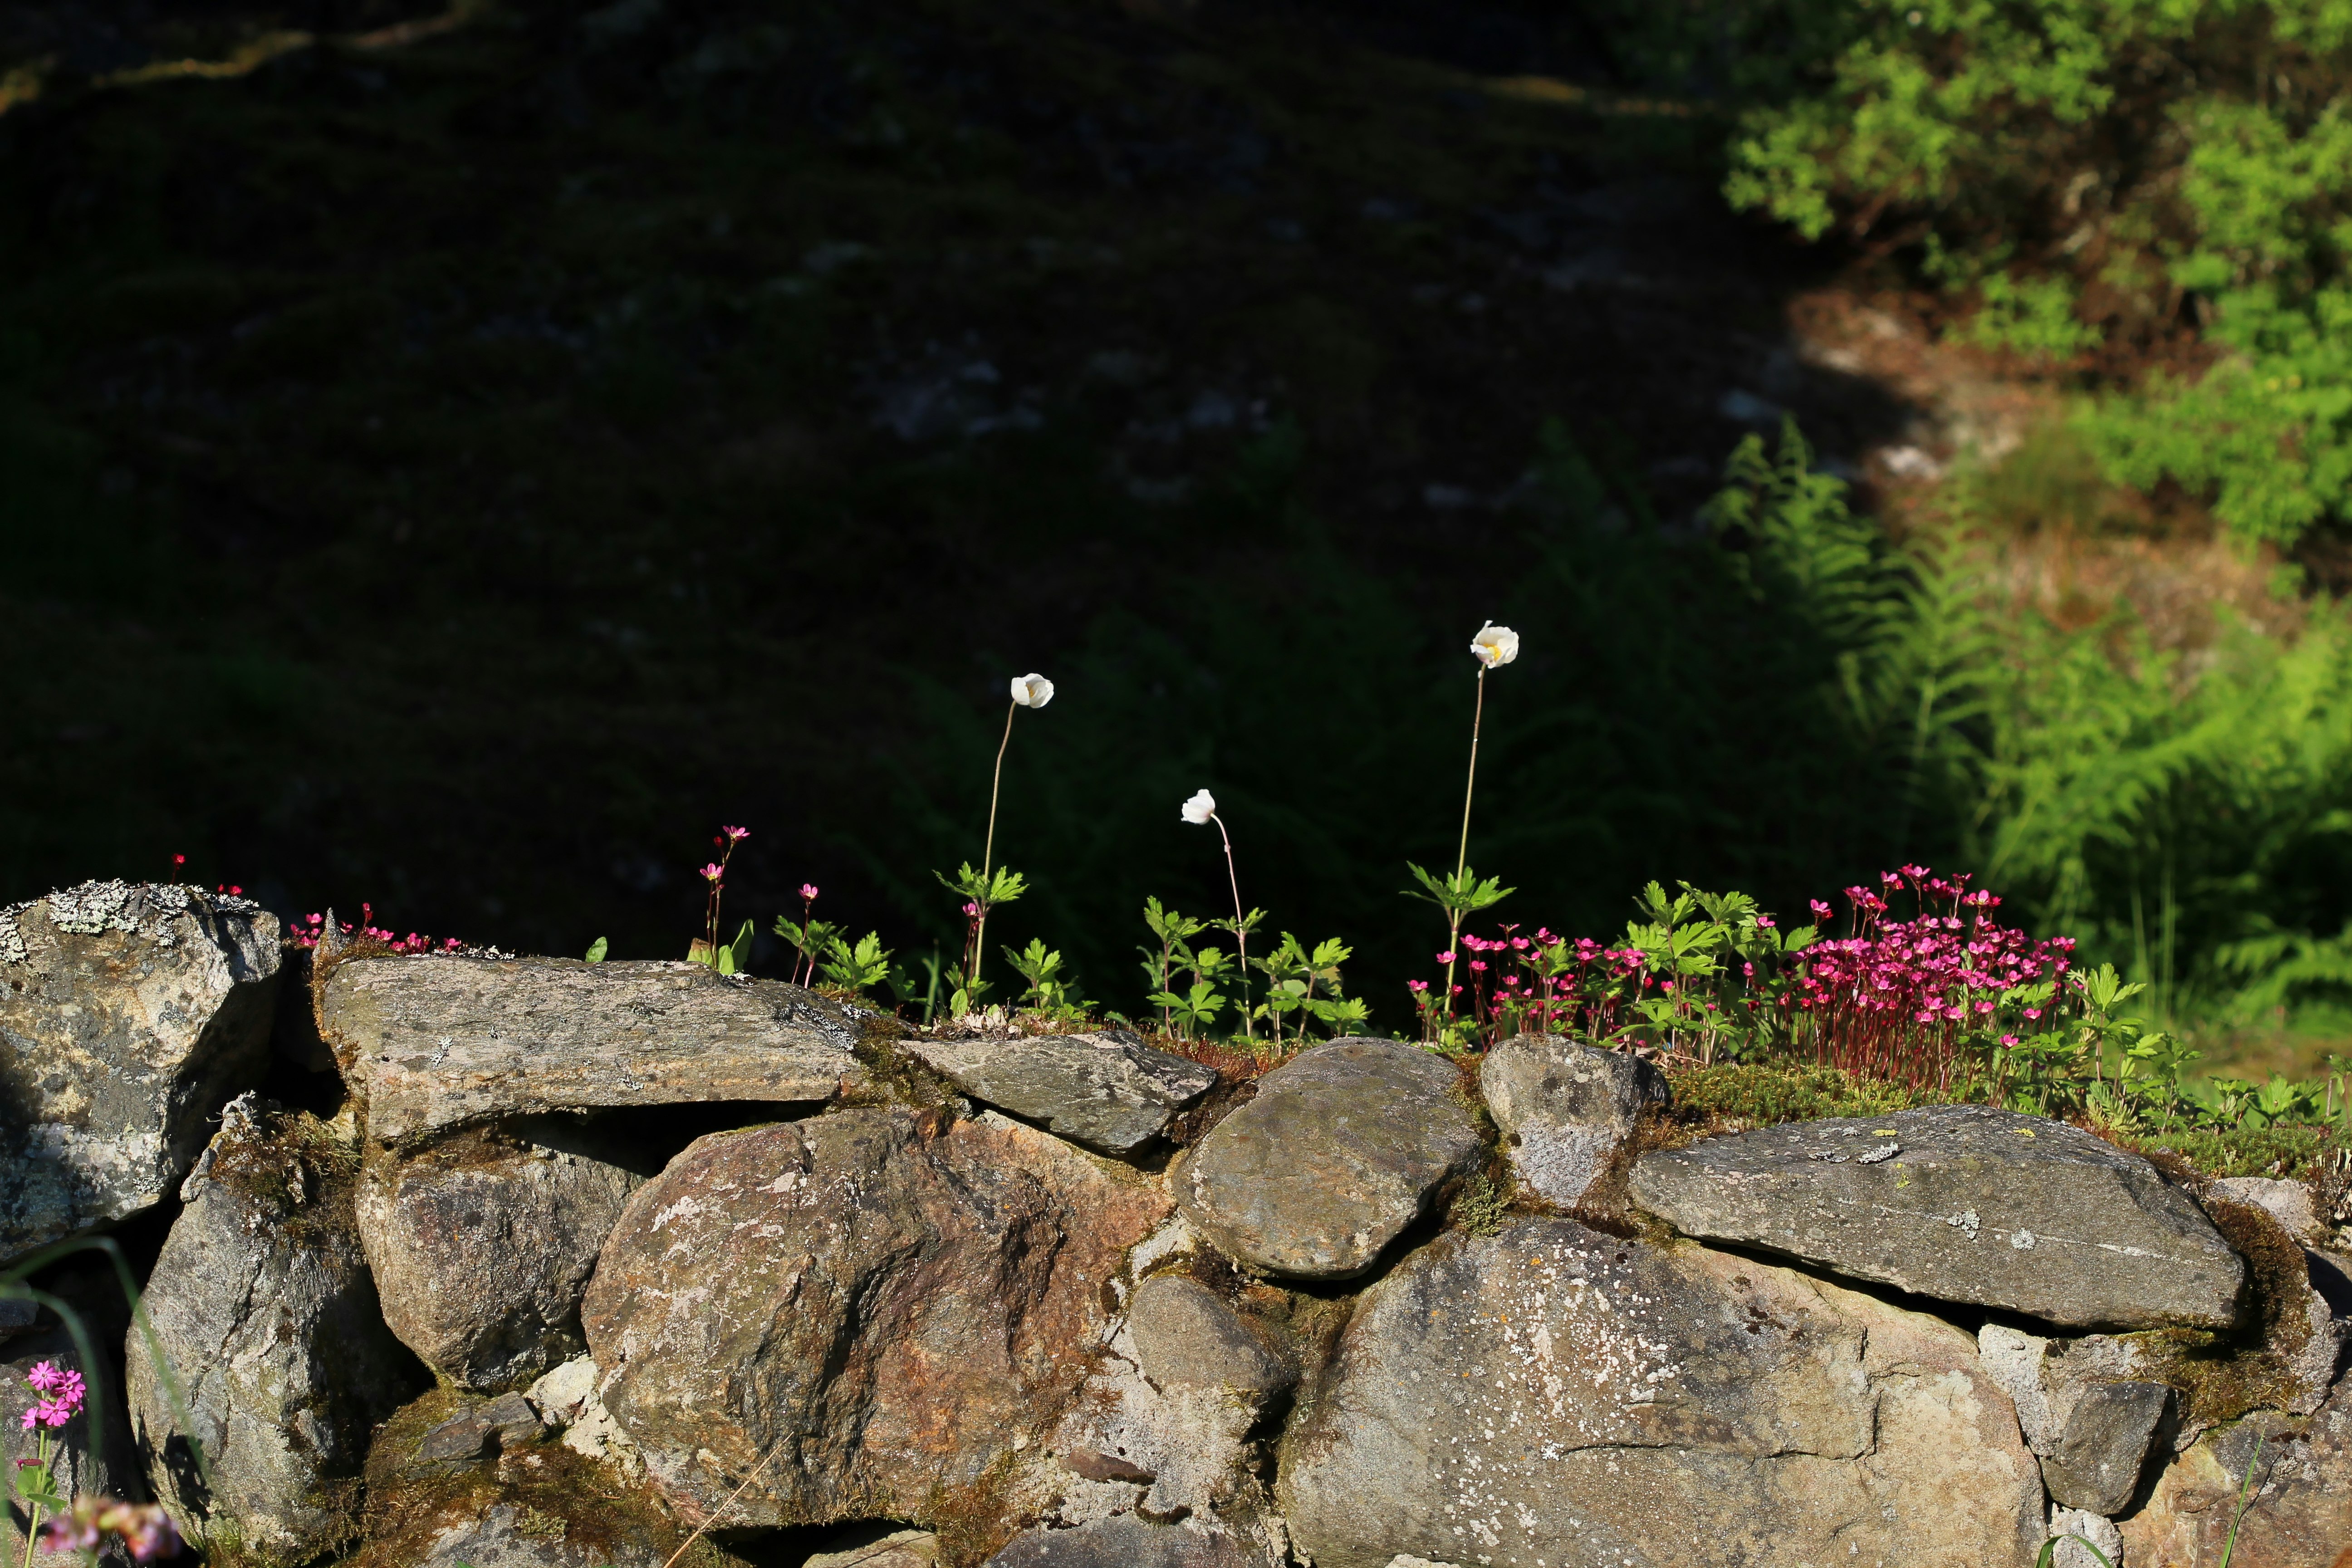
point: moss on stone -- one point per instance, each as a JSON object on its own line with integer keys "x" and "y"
{"x": 557, "y": 1494}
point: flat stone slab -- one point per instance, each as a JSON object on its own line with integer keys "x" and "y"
{"x": 1551, "y": 1393}
{"x": 1108, "y": 1091}
{"x": 1961, "y": 1203}
{"x": 1342, "y": 1148}
{"x": 435, "y": 1043}
{"x": 130, "y": 1014}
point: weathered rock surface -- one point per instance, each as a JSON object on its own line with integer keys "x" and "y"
{"x": 1187, "y": 1335}
{"x": 505, "y": 1536}
{"x": 129, "y": 1015}
{"x": 1108, "y": 1090}
{"x": 1973, "y": 1205}
{"x": 2097, "y": 1461}
{"x": 1494, "y": 1398}
{"x": 2071, "y": 1526}
{"x": 532, "y": 1505}
{"x": 1127, "y": 1541}
{"x": 2298, "y": 1516}
{"x": 1164, "y": 1425}
{"x": 1342, "y": 1148}
{"x": 2091, "y": 1408}
{"x": 869, "y": 1309}
{"x": 2291, "y": 1204}
{"x": 897, "y": 1549}
{"x": 264, "y": 1310}
{"x": 431, "y": 1044}
{"x": 1565, "y": 1109}
{"x": 482, "y": 1245}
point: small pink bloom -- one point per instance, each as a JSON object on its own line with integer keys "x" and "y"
{"x": 808, "y": 891}
{"x": 1444, "y": 958}
{"x": 736, "y": 834}
{"x": 713, "y": 871}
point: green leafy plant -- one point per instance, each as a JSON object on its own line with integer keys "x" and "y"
{"x": 981, "y": 892}
{"x": 1294, "y": 975}
{"x": 857, "y": 969}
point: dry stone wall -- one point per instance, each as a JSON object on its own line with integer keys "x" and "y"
{"x": 567, "y": 1263}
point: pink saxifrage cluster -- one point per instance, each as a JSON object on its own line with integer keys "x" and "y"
{"x": 97, "y": 1524}
{"x": 60, "y": 1394}
{"x": 307, "y": 931}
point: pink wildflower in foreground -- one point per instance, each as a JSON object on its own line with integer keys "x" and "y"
{"x": 95, "y": 1524}
{"x": 808, "y": 891}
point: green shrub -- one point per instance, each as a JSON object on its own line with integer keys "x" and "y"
{"x": 2104, "y": 170}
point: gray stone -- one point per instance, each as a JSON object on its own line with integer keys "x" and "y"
{"x": 1496, "y": 1397}
{"x": 2291, "y": 1204}
{"x": 506, "y": 1535}
{"x": 17, "y": 1316}
{"x": 898, "y": 1548}
{"x": 1108, "y": 1091}
{"x": 482, "y": 1245}
{"x": 2101, "y": 1532}
{"x": 1166, "y": 1423}
{"x": 2097, "y": 1461}
{"x": 1962, "y": 1203}
{"x": 435, "y": 1043}
{"x": 129, "y": 1015}
{"x": 1565, "y": 1109}
{"x": 1127, "y": 1541}
{"x": 1185, "y": 1333}
{"x": 1342, "y": 1148}
{"x": 483, "y": 1427}
{"x": 262, "y": 1306}
{"x": 866, "y": 1314}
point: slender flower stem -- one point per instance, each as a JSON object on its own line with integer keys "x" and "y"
{"x": 988, "y": 850}
{"x": 1241, "y": 937}
{"x": 32, "y": 1520}
{"x": 1462, "y": 854}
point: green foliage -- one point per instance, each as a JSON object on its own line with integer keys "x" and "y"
{"x": 1188, "y": 1012}
{"x": 858, "y": 969}
{"x": 727, "y": 958}
{"x": 2171, "y": 159}
{"x": 1048, "y": 987}
{"x": 1294, "y": 977}
{"x": 597, "y": 949}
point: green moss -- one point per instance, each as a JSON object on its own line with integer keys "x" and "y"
{"x": 1728, "y": 1097}
{"x": 556, "y": 1494}
{"x": 2296, "y": 1152}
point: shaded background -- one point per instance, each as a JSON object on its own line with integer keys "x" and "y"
{"x": 456, "y": 462}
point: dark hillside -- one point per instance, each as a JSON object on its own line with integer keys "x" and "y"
{"x": 455, "y": 465}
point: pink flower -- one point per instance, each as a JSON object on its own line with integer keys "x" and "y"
{"x": 2009, "y": 1040}
{"x": 43, "y": 1377}
{"x": 1444, "y": 958}
{"x": 736, "y": 835}
{"x": 808, "y": 891}
{"x": 971, "y": 912}
{"x": 1416, "y": 986}
{"x": 713, "y": 871}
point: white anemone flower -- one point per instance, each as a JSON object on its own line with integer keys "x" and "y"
{"x": 1031, "y": 690}
{"x": 1494, "y": 645}
{"x": 1200, "y": 809}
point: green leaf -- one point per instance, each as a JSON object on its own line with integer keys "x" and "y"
{"x": 596, "y": 951}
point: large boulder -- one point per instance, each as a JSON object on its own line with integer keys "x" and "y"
{"x": 1341, "y": 1149}
{"x": 265, "y": 1314}
{"x": 1566, "y": 1110}
{"x": 2298, "y": 1513}
{"x": 435, "y": 1043}
{"x": 482, "y": 1245}
{"x": 1962, "y": 1203}
{"x": 129, "y": 1015}
{"x": 1496, "y": 1397}
{"x": 1108, "y": 1090}
{"x": 866, "y": 1314}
